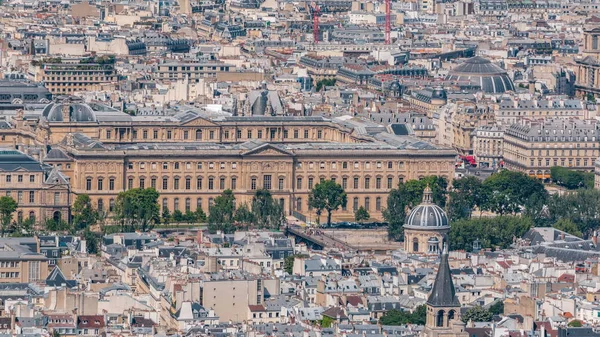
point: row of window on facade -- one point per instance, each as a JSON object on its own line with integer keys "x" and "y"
{"x": 250, "y": 134}
{"x": 19, "y": 178}
{"x": 267, "y": 183}
{"x": 223, "y": 165}
{"x": 562, "y": 162}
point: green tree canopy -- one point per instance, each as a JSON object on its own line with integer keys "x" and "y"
{"x": 92, "y": 241}
{"x": 244, "y": 216}
{"x": 477, "y": 314}
{"x": 571, "y": 179}
{"x": 397, "y": 317}
{"x": 497, "y": 308}
{"x": 268, "y": 213}
{"x": 166, "y": 216}
{"x": 8, "y": 206}
{"x": 499, "y": 231}
{"x": 200, "y": 215}
{"x": 329, "y": 196}
{"x": 84, "y": 214}
{"x": 509, "y": 191}
{"x": 137, "y": 208}
{"x": 221, "y": 213}
{"x": 582, "y": 207}
{"x": 177, "y": 216}
{"x": 567, "y": 225}
{"x": 361, "y": 214}
{"x": 466, "y": 194}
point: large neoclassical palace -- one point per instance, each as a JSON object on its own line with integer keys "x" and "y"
{"x": 192, "y": 156}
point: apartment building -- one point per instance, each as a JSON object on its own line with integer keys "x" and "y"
{"x": 487, "y": 146}
{"x": 535, "y": 147}
{"x": 511, "y": 111}
{"x": 40, "y": 191}
{"x": 192, "y": 71}
{"x": 22, "y": 267}
{"x": 231, "y": 295}
{"x": 70, "y": 77}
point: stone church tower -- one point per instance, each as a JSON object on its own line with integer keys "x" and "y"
{"x": 443, "y": 307}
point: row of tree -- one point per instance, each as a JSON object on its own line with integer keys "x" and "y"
{"x": 520, "y": 201}
{"x": 571, "y": 179}
{"x": 264, "y": 212}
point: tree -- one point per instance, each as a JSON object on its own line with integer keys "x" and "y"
{"x": 177, "y": 216}
{"x": 59, "y": 225}
{"x": 92, "y": 242}
{"x": 509, "y": 191}
{"x": 329, "y": 196}
{"x": 221, "y": 213}
{"x": 567, "y": 225}
{"x": 361, "y": 214}
{"x": 267, "y": 212}
{"x": 189, "y": 217}
{"x": 8, "y": 206}
{"x": 575, "y": 323}
{"x": 581, "y": 207}
{"x": 84, "y": 214}
{"x": 571, "y": 179}
{"x": 467, "y": 193}
{"x": 327, "y": 322}
{"x": 137, "y": 208}
{"x": 397, "y": 317}
{"x": 166, "y": 216}
{"x": 477, "y": 314}
{"x": 25, "y": 228}
{"x": 243, "y": 216}
{"x": 491, "y": 232}
{"x": 200, "y": 215}
{"x": 325, "y": 83}
{"x": 497, "y": 308}
{"x": 408, "y": 195}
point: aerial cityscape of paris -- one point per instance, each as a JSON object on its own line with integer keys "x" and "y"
{"x": 300, "y": 168}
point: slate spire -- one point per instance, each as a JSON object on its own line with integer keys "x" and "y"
{"x": 443, "y": 293}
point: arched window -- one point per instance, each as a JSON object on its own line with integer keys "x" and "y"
{"x": 368, "y": 203}
{"x": 198, "y": 134}
{"x": 165, "y": 204}
{"x": 439, "y": 319}
{"x": 20, "y": 217}
{"x": 415, "y": 245}
{"x": 378, "y": 203}
{"x": 188, "y": 205}
{"x": 299, "y": 204}
{"x": 32, "y": 216}
{"x": 450, "y": 315}
{"x": 198, "y": 203}
{"x": 100, "y": 205}
{"x": 111, "y": 205}
{"x": 176, "y": 204}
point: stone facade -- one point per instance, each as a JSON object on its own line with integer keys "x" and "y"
{"x": 192, "y": 158}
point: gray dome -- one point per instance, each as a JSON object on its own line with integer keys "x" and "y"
{"x": 480, "y": 71}
{"x": 427, "y": 215}
{"x": 78, "y": 112}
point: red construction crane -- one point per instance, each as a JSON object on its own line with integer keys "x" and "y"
{"x": 388, "y": 24}
{"x": 316, "y": 13}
